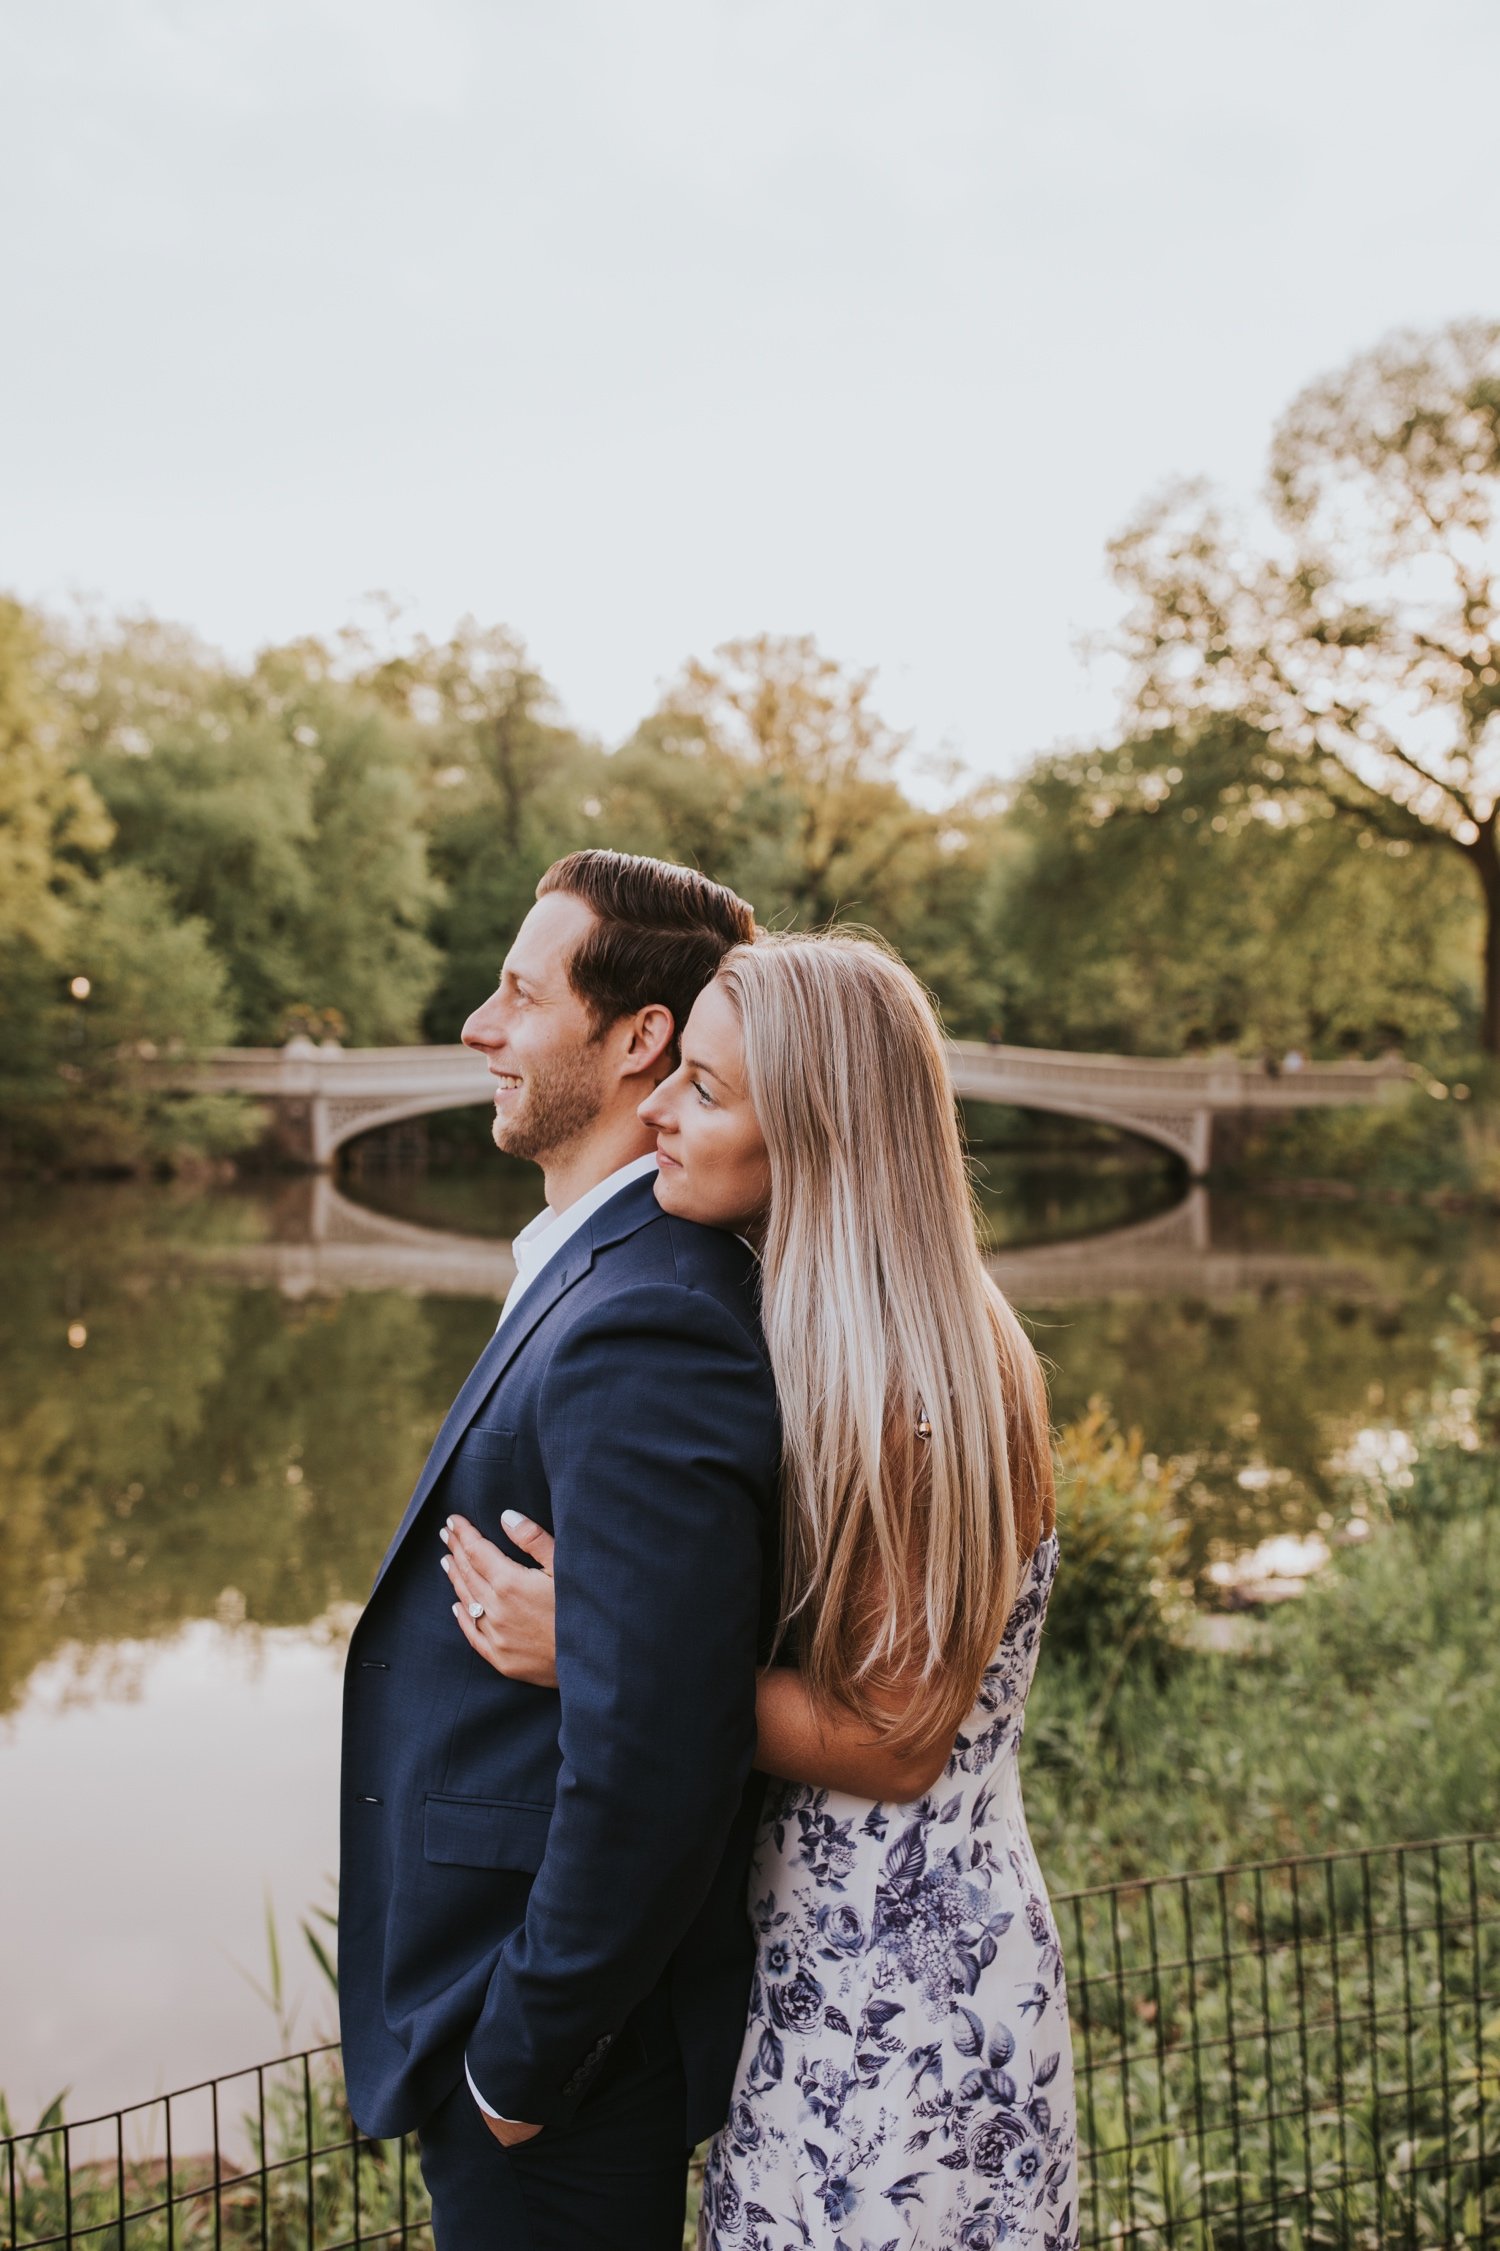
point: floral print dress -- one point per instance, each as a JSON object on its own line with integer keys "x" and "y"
{"x": 906, "y": 2082}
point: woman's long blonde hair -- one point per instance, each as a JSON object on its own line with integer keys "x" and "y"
{"x": 903, "y": 1552}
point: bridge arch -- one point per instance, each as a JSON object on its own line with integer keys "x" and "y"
{"x": 347, "y": 1117}
{"x": 1186, "y": 1135}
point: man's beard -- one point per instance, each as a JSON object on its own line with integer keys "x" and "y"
{"x": 560, "y": 1100}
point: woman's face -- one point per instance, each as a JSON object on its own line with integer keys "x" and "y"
{"x": 714, "y": 1166}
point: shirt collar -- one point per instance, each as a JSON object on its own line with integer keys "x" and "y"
{"x": 541, "y": 1237}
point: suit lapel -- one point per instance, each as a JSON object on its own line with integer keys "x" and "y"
{"x": 621, "y": 1216}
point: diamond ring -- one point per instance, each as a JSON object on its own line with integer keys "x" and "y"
{"x": 476, "y": 1610}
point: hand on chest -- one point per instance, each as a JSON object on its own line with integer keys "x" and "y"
{"x": 492, "y": 1468}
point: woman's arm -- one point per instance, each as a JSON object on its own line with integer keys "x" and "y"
{"x": 803, "y": 1740}
{"x": 798, "y": 1738}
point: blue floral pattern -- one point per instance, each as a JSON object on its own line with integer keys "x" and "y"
{"x": 906, "y": 2082}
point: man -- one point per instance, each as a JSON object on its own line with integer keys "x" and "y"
{"x": 544, "y": 1953}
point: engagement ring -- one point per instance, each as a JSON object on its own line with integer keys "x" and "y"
{"x": 476, "y": 1610}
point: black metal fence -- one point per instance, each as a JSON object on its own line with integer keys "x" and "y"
{"x": 1293, "y": 2053}
{"x": 1290, "y": 2054}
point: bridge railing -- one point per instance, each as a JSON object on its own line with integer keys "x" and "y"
{"x": 1183, "y": 1080}
{"x": 1191, "y": 1076}
{"x": 1276, "y": 2056}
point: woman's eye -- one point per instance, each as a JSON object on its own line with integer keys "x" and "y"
{"x": 703, "y": 1094}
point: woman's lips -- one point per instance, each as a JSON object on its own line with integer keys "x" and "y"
{"x": 662, "y": 1158}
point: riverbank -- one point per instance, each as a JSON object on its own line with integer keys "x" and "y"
{"x": 1436, "y": 1144}
{"x": 1366, "y": 1711}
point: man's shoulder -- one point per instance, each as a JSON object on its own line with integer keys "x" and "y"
{"x": 675, "y": 1304}
{"x": 671, "y": 1252}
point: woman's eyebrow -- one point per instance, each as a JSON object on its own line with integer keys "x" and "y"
{"x": 691, "y": 1063}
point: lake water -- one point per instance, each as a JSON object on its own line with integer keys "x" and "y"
{"x": 216, "y": 1403}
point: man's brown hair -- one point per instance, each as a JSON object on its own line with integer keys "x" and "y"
{"x": 661, "y": 932}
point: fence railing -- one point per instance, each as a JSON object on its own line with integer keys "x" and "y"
{"x": 1290, "y": 2053}
{"x": 1272, "y": 2057}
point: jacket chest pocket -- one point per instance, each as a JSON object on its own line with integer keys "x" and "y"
{"x": 485, "y": 1832}
{"x": 480, "y": 1443}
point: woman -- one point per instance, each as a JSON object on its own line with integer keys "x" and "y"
{"x": 906, "y": 2076}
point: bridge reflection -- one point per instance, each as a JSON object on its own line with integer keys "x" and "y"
{"x": 327, "y": 1244}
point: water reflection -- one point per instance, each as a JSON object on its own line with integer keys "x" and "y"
{"x": 146, "y": 1828}
{"x": 217, "y": 1402}
{"x": 328, "y": 1242}
{"x": 214, "y": 1449}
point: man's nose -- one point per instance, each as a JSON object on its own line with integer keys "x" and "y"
{"x": 483, "y": 1027}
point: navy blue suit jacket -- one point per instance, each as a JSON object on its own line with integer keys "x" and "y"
{"x": 522, "y": 1866}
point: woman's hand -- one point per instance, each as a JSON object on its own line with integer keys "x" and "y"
{"x": 516, "y": 1630}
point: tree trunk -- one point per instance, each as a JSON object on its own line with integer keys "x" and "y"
{"x": 1485, "y": 853}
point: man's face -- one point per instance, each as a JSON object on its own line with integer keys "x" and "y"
{"x": 549, "y": 1068}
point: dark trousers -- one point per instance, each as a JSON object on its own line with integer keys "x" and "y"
{"x": 613, "y": 2179}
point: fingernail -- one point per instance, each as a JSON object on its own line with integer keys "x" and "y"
{"x": 447, "y": 1563}
{"x": 448, "y": 1520}
{"x": 443, "y": 1534}
{"x": 510, "y": 1518}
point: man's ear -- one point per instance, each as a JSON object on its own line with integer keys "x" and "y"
{"x": 649, "y": 1051}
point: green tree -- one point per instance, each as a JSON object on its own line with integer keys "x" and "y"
{"x": 1362, "y": 647}
{"x": 50, "y": 817}
{"x": 774, "y": 754}
{"x": 280, "y": 806}
{"x": 508, "y": 788}
{"x": 85, "y": 1091}
{"x": 770, "y": 768}
{"x": 1154, "y": 898}
{"x": 363, "y": 931}
{"x": 101, "y": 974}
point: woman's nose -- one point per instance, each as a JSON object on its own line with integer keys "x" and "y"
{"x": 656, "y": 1110}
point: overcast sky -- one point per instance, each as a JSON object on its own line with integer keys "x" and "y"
{"x": 638, "y": 324}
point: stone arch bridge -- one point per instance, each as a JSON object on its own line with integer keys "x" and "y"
{"x": 321, "y": 1097}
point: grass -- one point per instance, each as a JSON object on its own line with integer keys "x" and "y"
{"x": 299, "y": 2177}
{"x": 1367, "y": 1711}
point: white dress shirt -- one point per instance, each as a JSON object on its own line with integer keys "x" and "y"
{"x": 538, "y": 1243}
{"x": 542, "y": 1238}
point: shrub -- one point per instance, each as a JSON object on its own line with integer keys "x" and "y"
{"x": 1120, "y": 1595}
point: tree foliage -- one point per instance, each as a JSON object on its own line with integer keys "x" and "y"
{"x": 280, "y": 806}
{"x": 100, "y": 972}
{"x": 769, "y": 766}
{"x": 1363, "y": 641}
{"x": 49, "y": 815}
{"x": 1162, "y": 896}
{"x": 507, "y": 788}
